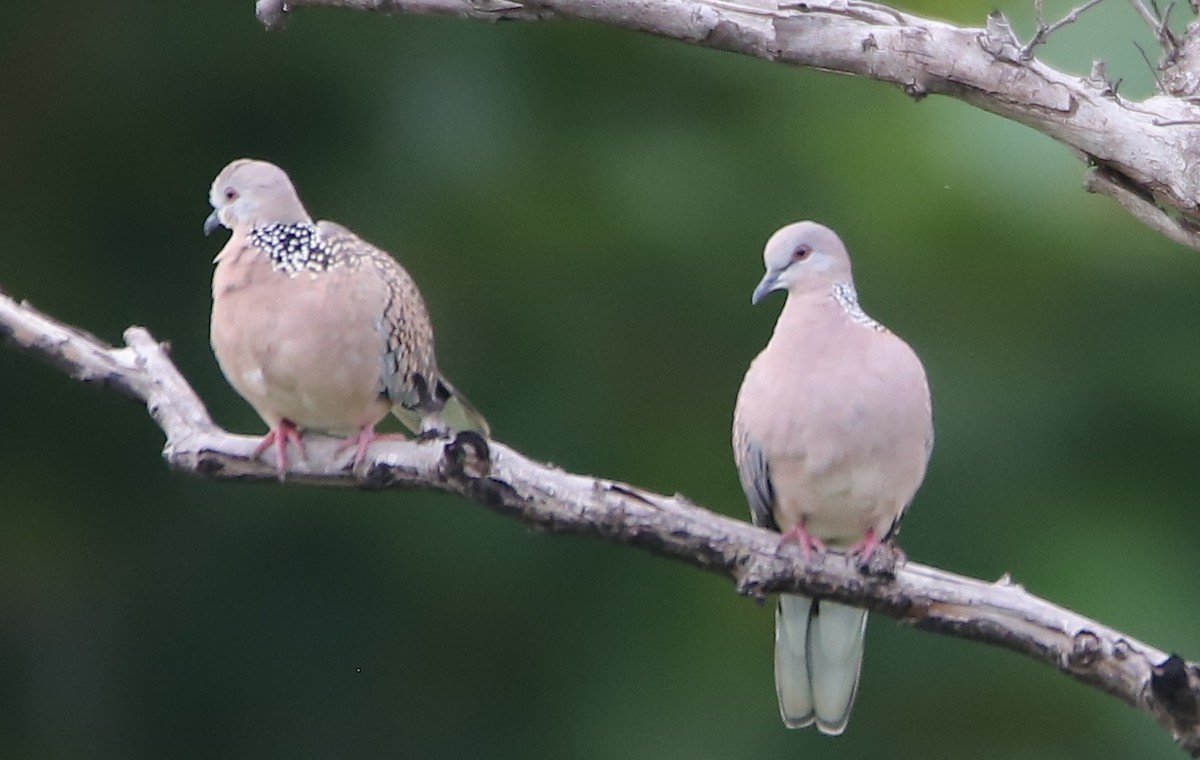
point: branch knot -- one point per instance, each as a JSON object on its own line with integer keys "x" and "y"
{"x": 999, "y": 40}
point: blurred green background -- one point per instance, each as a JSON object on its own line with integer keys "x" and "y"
{"x": 584, "y": 209}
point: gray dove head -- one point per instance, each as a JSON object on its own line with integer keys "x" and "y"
{"x": 802, "y": 257}
{"x": 249, "y": 193}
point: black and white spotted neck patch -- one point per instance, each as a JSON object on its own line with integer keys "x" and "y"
{"x": 293, "y": 248}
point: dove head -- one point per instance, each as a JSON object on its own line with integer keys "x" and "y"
{"x": 249, "y": 193}
{"x": 801, "y": 258}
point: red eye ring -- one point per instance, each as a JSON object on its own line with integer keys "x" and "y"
{"x": 802, "y": 251}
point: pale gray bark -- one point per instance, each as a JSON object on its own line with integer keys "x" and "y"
{"x": 1144, "y": 154}
{"x": 1001, "y": 613}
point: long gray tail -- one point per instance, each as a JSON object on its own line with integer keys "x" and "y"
{"x": 818, "y": 658}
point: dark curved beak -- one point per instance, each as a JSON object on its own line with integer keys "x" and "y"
{"x": 211, "y": 223}
{"x": 766, "y": 285}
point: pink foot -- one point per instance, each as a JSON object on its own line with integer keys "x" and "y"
{"x": 809, "y": 543}
{"x": 280, "y": 436}
{"x": 866, "y": 547}
{"x": 366, "y": 436}
{"x": 874, "y": 557}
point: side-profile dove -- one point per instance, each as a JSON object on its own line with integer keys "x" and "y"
{"x": 831, "y": 435}
{"x": 316, "y": 328}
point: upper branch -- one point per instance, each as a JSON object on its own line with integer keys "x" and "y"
{"x": 1145, "y": 155}
{"x": 545, "y": 497}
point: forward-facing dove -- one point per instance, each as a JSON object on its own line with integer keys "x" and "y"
{"x": 832, "y": 432}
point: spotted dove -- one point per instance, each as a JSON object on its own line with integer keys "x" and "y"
{"x": 832, "y": 432}
{"x": 316, "y": 328}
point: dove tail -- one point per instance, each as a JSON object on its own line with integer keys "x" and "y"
{"x": 818, "y": 657}
{"x": 458, "y": 414}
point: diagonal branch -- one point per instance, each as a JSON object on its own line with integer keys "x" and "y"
{"x": 1001, "y": 613}
{"x": 1147, "y": 144}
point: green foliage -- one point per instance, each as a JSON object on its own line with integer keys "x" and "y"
{"x": 584, "y": 209}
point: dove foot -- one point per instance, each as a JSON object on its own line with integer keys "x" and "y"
{"x": 809, "y": 544}
{"x": 361, "y": 442}
{"x": 280, "y": 436}
{"x": 875, "y": 557}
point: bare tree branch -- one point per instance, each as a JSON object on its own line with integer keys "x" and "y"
{"x": 1145, "y": 144}
{"x": 1044, "y": 30}
{"x": 1001, "y": 613}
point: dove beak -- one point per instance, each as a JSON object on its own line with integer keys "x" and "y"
{"x": 769, "y": 282}
{"x": 211, "y": 223}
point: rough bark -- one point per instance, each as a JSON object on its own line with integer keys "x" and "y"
{"x": 1000, "y": 613}
{"x": 1143, "y": 153}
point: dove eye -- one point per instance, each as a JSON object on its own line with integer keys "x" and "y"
{"x": 230, "y": 194}
{"x": 802, "y": 252}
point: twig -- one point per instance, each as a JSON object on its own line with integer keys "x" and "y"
{"x": 1044, "y": 31}
{"x": 1164, "y": 32}
{"x": 1002, "y": 614}
{"x": 983, "y": 67}
{"x": 1153, "y": 69}
{"x": 1146, "y": 14}
{"x": 1158, "y": 23}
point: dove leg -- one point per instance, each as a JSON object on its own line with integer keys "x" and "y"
{"x": 279, "y": 436}
{"x": 361, "y": 442}
{"x": 809, "y": 543}
{"x": 866, "y": 547}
